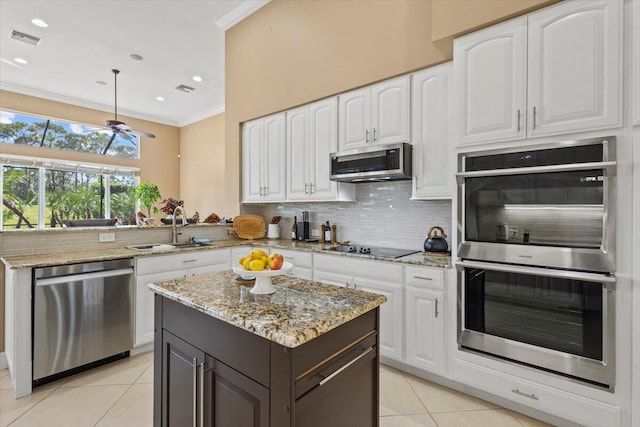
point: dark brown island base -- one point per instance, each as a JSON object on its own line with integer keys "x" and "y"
{"x": 305, "y": 356}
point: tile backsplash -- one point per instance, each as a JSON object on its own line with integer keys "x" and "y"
{"x": 382, "y": 215}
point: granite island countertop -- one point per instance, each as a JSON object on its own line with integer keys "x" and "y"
{"x": 36, "y": 260}
{"x": 299, "y": 310}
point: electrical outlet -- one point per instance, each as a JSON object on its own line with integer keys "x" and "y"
{"x": 107, "y": 237}
{"x": 513, "y": 231}
{"x": 315, "y": 232}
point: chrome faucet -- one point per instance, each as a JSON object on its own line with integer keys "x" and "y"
{"x": 174, "y": 226}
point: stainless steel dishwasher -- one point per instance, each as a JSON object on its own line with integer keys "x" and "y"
{"x": 82, "y": 315}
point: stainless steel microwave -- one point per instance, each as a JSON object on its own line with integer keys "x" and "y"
{"x": 382, "y": 163}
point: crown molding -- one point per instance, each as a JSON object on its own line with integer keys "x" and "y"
{"x": 201, "y": 116}
{"x": 238, "y": 13}
{"x": 83, "y": 103}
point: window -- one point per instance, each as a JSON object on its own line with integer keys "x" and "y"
{"x": 23, "y": 129}
{"x": 39, "y": 193}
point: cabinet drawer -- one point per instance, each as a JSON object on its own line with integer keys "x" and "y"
{"x": 578, "y": 409}
{"x": 297, "y": 258}
{"x": 158, "y": 264}
{"x": 423, "y": 277}
{"x": 377, "y": 270}
{"x": 301, "y": 273}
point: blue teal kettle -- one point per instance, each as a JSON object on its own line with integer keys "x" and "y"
{"x": 436, "y": 242}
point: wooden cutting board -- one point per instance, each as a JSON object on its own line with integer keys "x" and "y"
{"x": 249, "y": 226}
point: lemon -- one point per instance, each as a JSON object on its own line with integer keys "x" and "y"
{"x": 241, "y": 260}
{"x": 257, "y": 253}
{"x": 247, "y": 263}
{"x": 256, "y": 265}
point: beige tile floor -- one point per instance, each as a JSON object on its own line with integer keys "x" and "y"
{"x": 121, "y": 394}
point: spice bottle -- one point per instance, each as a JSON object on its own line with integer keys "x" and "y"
{"x": 327, "y": 232}
{"x": 322, "y": 230}
{"x": 334, "y": 239}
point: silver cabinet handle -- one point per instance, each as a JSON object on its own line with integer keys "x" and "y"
{"x": 261, "y": 191}
{"x": 342, "y": 368}
{"x": 534, "y": 116}
{"x": 437, "y": 308}
{"x": 266, "y": 190}
{"x": 189, "y": 260}
{"x": 423, "y": 278}
{"x": 366, "y": 135}
{"x": 311, "y": 188}
{"x": 348, "y": 285}
{"x": 374, "y": 135}
{"x": 201, "y": 399}
{"x": 288, "y": 257}
{"x": 306, "y": 186}
{"x": 518, "y": 120}
{"x": 195, "y": 393}
{"x": 522, "y": 393}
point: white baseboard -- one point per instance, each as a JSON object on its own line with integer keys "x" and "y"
{"x": 141, "y": 349}
{"x": 3, "y": 361}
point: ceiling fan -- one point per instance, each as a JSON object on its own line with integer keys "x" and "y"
{"x": 118, "y": 127}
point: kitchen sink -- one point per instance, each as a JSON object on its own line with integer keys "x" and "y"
{"x": 160, "y": 247}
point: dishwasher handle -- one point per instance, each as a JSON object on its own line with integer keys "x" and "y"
{"x": 85, "y": 276}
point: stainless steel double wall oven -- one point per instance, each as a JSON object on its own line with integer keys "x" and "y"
{"x": 536, "y": 267}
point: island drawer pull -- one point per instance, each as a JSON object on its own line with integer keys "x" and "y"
{"x": 189, "y": 260}
{"x": 522, "y": 393}
{"x": 343, "y": 367}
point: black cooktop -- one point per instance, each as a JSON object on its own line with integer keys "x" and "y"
{"x": 371, "y": 250}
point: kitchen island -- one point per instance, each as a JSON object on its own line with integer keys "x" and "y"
{"x": 306, "y": 355}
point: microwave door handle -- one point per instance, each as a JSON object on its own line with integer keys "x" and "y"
{"x": 607, "y": 281}
{"x": 609, "y": 167}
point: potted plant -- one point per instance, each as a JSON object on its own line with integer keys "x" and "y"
{"x": 148, "y": 194}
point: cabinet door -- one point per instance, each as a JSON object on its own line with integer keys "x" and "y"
{"x": 232, "y": 399}
{"x": 182, "y": 383}
{"x": 490, "y": 75}
{"x": 145, "y": 303}
{"x": 433, "y": 148}
{"x": 575, "y": 67}
{"x": 323, "y": 140}
{"x": 273, "y": 152}
{"x": 390, "y": 111}
{"x": 298, "y": 153}
{"x": 424, "y": 329}
{"x": 252, "y": 162}
{"x": 355, "y": 119}
{"x": 391, "y": 317}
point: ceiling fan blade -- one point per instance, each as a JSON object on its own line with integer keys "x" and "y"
{"x": 141, "y": 133}
{"x": 125, "y": 135}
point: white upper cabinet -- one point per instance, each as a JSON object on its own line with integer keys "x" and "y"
{"x": 552, "y": 72}
{"x": 490, "y": 72}
{"x": 433, "y": 145}
{"x": 263, "y": 164}
{"x": 575, "y": 67}
{"x": 636, "y": 63}
{"x": 311, "y": 136}
{"x": 377, "y": 114}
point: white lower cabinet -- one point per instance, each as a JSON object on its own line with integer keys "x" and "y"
{"x": 371, "y": 276}
{"x": 568, "y": 406}
{"x": 168, "y": 267}
{"x": 424, "y": 328}
{"x": 302, "y": 263}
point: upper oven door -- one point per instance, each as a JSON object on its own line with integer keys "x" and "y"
{"x": 552, "y": 207}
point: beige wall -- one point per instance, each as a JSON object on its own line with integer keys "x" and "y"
{"x": 202, "y": 170}
{"x": 158, "y": 157}
{"x": 292, "y": 52}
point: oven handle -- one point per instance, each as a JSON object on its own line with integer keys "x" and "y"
{"x": 609, "y": 167}
{"x": 608, "y": 282}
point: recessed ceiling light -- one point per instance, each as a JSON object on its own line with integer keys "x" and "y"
{"x": 197, "y": 78}
{"x": 20, "y": 60}
{"x": 135, "y": 57}
{"x": 101, "y": 82}
{"x": 39, "y": 23}
{"x": 159, "y": 98}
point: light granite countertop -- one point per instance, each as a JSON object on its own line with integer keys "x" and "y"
{"x": 72, "y": 257}
{"x": 296, "y": 313}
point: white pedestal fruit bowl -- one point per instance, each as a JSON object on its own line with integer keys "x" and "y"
{"x": 263, "y": 283}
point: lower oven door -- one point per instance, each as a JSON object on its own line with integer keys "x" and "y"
{"x": 557, "y": 320}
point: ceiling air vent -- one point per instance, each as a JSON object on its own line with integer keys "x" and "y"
{"x": 26, "y": 38}
{"x": 185, "y": 88}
